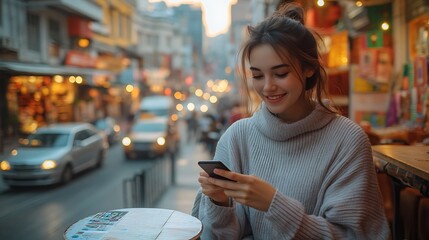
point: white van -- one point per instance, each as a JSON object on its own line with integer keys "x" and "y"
{"x": 157, "y": 105}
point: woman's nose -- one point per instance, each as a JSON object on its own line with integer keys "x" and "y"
{"x": 269, "y": 84}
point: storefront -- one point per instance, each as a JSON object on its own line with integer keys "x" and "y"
{"x": 372, "y": 75}
{"x": 34, "y": 101}
{"x": 406, "y": 97}
{"x": 38, "y": 95}
{"x": 415, "y": 79}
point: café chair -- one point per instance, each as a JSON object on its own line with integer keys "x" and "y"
{"x": 409, "y": 211}
{"x": 385, "y": 182}
{"x": 423, "y": 219}
{"x": 386, "y": 189}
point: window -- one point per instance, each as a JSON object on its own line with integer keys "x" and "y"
{"x": 149, "y": 127}
{"x": 90, "y": 132}
{"x": 169, "y": 42}
{"x": 81, "y": 135}
{"x": 113, "y": 24}
{"x": 43, "y": 140}
{"x": 122, "y": 26}
{"x": 155, "y": 41}
{"x": 33, "y": 32}
{"x": 54, "y": 31}
{"x": 54, "y": 38}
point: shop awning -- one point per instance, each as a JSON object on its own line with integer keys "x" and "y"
{"x": 43, "y": 69}
{"x": 83, "y": 8}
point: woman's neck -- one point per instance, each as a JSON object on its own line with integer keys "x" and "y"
{"x": 297, "y": 113}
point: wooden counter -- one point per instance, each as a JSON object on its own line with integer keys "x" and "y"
{"x": 407, "y": 165}
{"x": 413, "y": 159}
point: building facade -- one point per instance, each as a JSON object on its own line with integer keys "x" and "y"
{"x": 81, "y": 60}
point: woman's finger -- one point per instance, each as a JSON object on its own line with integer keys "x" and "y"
{"x": 225, "y": 184}
{"x": 234, "y": 176}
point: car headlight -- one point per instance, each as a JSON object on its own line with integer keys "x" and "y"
{"x": 4, "y": 165}
{"x": 48, "y": 164}
{"x": 160, "y": 141}
{"x": 14, "y": 152}
{"x": 116, "y": 128}
{"x": 126, "y": 141}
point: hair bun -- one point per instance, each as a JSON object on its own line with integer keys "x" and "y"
{"x": 291, "y": 10}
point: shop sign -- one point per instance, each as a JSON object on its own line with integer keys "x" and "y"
{"x": 416, "y": 8}
{"x": 374, "y": 39}
{"x": 80, "y": 59}
{"x": 78, "y": 27}
{"x": 111, "y": 63}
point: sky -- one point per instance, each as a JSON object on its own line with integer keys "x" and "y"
{"x": 216, "y": 13}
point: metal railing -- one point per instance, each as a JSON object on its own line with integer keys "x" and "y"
{"x": 146, "y": 187}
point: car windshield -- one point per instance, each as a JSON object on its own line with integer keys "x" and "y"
{"x": 43, "y": 140}
{"x": 161, "y": 112}
{"x": 101, "y": 124}
{"x": 149, "y": 127}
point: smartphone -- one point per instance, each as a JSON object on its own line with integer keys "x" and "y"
{"x": 209, "y": 165}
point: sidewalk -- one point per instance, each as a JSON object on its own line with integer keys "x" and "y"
{"x": 181, "y": 196}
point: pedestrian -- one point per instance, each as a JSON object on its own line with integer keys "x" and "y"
{"x": 173, "y": 142}
{"x": 235, "y": 114}
{"x": 192, "y": 125}
{"x": 299, "y": 169}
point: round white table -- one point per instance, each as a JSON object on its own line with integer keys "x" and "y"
{"x": 135, "y": 223}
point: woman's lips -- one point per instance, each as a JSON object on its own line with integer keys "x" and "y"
{"x": 275, "y": 98}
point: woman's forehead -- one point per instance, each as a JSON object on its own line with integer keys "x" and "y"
{"x": 265, "y": 56}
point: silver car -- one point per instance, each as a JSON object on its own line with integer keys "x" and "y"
{"x": 53, "y": 154}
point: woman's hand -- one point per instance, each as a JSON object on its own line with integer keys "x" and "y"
{"x": 212, "y": 191}
{"x": 246, "y": 189}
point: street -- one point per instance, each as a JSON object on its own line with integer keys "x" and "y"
{"x": 46, "y": 212}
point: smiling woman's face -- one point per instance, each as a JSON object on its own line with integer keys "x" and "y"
{"x": 277, "y": 83}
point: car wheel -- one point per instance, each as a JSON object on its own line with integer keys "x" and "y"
{"x": 67, "y": 175}
{"x": 100, "y": 159}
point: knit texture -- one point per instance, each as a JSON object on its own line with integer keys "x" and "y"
{"x": 322, "y": 169}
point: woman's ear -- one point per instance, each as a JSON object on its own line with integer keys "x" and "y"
{"x": 310, "y": 79}
{"x": 308, "y": 73}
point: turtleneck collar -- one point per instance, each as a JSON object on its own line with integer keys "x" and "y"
{"x": 274, "y": 128}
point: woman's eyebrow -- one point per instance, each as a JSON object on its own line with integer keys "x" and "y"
{"x": 280, "y": 66}
{"x": 273, "y": 68}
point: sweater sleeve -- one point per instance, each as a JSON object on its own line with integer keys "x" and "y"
{"x": 222, "y": 222}
{"x": 351, "y": 205}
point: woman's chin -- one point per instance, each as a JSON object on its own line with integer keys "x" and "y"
{"x": 274, "y": 110}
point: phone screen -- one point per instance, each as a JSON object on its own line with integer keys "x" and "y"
{"x": 209, "y": 165}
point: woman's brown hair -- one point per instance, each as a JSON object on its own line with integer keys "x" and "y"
{"x": 286, "y": 33}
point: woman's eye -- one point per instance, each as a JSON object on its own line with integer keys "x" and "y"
{"x": 282, "y": 75}
{"x": 257, "y": 77}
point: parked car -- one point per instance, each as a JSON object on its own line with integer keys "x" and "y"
{"x": 53, "y": 154}
{"x": 149, "y": 136}
{"x": 109, "y": 127}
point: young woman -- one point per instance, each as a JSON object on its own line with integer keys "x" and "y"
{"x": 299, "y": 169}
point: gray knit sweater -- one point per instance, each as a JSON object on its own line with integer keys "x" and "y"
{"x": 322, "y": 169}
